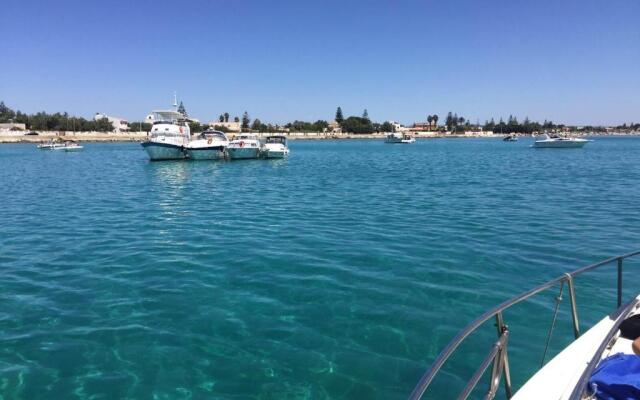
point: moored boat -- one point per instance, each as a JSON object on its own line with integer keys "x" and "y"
{"x": 69, "y": 146}
{"x": 510, "y": 138}
{"x": 210, "y": 145}
{"x": 396, "y": 138}
{"x": 245, "y": 146}
{"x": 275, "y": 147}
{"x": 557, "y": 142}
{"x": 49, "y": 145}
{"x": 168, "y": 137}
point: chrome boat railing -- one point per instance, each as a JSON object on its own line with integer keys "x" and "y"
{"x": 498, "y": 356}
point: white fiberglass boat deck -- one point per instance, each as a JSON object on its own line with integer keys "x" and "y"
{"x": 567, "y": 375}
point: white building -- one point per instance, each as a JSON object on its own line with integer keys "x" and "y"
{"x": 398, "y": 127}
{"x": 231, "y": 126}
{"x": 119, "y": 124}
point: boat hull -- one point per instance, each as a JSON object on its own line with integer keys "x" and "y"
{"x": 206, "y": 153}
{"x": 163, "y": 151}
{"x": 560, "y": 145}
{"x": 276, "y": 153}
{"x": 243, "y": 153}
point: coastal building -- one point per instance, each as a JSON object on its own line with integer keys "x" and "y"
{"x": 230, "y": 126}
{"x": 398, "y": 127}
{"x": 423, "y": 127}
{"x": 12, "y": 126}
{"x": 119, "y": 124}
{"x": 334, "y": 127}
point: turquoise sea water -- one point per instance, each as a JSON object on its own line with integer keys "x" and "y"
{"x": 336, "y": 274}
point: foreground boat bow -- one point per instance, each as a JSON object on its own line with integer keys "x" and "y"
{"x": 567, "y": 375}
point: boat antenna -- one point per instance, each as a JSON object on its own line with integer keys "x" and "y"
{"x": 175, "y": 101}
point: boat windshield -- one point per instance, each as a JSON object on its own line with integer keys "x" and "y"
{"x": 276, "y": 139}
{"x": 247, "y": 137}
{"x": 213, "y": 135}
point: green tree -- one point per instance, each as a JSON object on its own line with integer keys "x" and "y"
{"x": 339, "y": 116}
{"x": 101, "y": 125}
{"x": 365, "y": 114}
{"x": 257, "y": 125}
{"x": 226, "y": 117}
{"x": 6, "y": 114}
{"x": 196, "y": 127}
{"x": 429, "y": 120}
{"x": 182, "y": 110}
{"x": 245, "y": 120}
{"x": 387, "y": 127}
{"x": 221, "y": 118}
{"x": 435, "y": 120}
{"x": 140, "y": 126}
{"x": 235, "y": 119}
{"x": 449, "y": 121}
{"x": 357, "y": 125}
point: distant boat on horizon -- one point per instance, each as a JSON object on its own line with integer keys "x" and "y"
{"x": 547, "y": 141}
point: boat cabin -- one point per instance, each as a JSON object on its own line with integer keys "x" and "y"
{"x": 277, "y": 139}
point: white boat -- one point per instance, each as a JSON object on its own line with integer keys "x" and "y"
{"x": 211, "y": 145}
{"x": 168, "y": 137}
{"x": 65, "y": 146}
{"x": 245, "y": 146}
{"x": 593, "y": 361}
{"x": 50, "y": 145}
{"x": 69, "y": 146}
{"x": 275, "y": 147}
{"x": 547, "y": 141}
{"x": 396, "y": 138}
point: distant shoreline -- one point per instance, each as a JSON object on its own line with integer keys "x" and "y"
{"x": 13, "y": 137}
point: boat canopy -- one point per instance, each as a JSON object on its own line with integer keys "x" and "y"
{"x": 167, "y": 116}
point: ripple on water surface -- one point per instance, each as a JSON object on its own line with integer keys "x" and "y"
{"x": 338, "y": 273}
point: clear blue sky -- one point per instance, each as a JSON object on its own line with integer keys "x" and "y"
{"x": 573, "y": 61}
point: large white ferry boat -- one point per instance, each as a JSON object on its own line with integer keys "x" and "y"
{"x": 601, "y": 363}
{"x": 168, "y": 136}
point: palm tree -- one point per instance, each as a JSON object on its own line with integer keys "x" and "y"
{"x": 429, "y": 120}
{"x": 435, "y": 120}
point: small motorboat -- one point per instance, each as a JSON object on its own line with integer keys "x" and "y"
{"x": 558, "y": 142}
{"x": 275, "y": 147}
{"x": 66, "y": 146}
{"x": 210, "y": 145}
{"x": 510, "y": 138}
{"x": 50, "y": 145}
{"x": 72, "y": 146}
{"x": 396, "y": 138}
{"x": 245, "y": 146}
